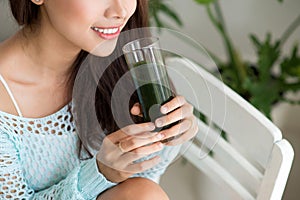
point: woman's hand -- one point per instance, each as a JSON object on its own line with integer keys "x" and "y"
{"x": 120, "y": 149}
{"x": 176, "y": 110}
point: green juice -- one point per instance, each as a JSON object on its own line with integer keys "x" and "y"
{"x": 153, "y": 88}
{"x": 151, "y": 97}
{"x": 146, "y": 64}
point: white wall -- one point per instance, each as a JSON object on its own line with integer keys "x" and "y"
{"x": 242, "y": 17}
{"x": 7, "y": 23}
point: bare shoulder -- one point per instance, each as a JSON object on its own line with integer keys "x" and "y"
{"x": 6, "y": 104}
{"x": 6, "y": 52}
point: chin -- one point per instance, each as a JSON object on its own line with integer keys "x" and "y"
{"x": 105, "y": 48}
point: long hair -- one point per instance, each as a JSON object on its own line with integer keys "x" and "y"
{"x": 27, "y": 13}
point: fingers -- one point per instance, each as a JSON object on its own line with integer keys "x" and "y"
{"x": 185, "y": 111}
{"x": 141, "y": 152}
{"x": 178, "y": 110}
{"x": 145, "y": 135}
{"x": 138, "y": 128}
{"x": 136, "y": 142}
{"x": 143, "y": 166}
{"x": 187, "y": 135}
{"x": 121, "y": 149}
{"x": 119, "y": 161}
{"x": 136, "y": 110}
{"x": 173, "y": 104}
{"x": 177, "y": 129}
{"x": 131, "y": 130}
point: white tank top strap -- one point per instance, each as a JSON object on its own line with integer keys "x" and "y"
{"x": 11, "y": 95}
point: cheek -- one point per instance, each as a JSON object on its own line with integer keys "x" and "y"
{"x": 72, "y": 19}
{"x": 70, "y": 16}
{"x": 132, "y": 7}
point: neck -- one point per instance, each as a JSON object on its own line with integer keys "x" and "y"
{"x": 41, "y": 54}
{"x": 47, "y": 54}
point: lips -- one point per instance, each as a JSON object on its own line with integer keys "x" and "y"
{"x": 107, "y": 33}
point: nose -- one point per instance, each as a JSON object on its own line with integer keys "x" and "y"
{"x": 116, "y": 9}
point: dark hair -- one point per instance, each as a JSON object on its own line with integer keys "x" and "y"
{"x": 27, "y": 13}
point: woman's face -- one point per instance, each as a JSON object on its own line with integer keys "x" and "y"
{"x": 87, "y": 24}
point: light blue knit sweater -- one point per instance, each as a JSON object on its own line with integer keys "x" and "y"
{"x": 39, "y": 160}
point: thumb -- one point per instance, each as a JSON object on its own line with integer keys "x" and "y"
{"x": 136, "y": 110}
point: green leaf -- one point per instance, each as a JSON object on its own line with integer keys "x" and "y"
{"x": 268, "y": 52}
{"x": 157, "y": 7}
{"x": 264, "y": 94}
{"x": 255, "y": 40}
{"x": 290, "y": 66}
{"x": 204, "y": 1}
{"x": 157, "y": 21}
{"x": 280, "y": 1}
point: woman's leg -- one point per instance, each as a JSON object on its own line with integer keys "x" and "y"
{"x": 135, "y": 189}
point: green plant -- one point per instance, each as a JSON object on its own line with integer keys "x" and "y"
{"x": 157, "y": 7}
{"x": 257, "y": 82}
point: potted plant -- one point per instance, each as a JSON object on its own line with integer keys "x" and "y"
{"x": 257, "y": 82}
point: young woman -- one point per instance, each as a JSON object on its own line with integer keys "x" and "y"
{"x": 40, "y": 152}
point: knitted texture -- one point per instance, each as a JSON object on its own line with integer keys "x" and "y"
{"x": 39, "y": 160}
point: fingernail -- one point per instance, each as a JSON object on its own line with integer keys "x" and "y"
{"x": 159, "y": 123}
{"x": 163, "y": 110}
{"x": 152, "y": 126}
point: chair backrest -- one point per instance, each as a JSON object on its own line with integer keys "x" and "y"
{"x": 254, "y": 161}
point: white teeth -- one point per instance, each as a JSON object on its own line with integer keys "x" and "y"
{"x": 106, "y": 31}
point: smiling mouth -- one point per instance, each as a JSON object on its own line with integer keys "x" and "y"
{"x": 106, "y": 31}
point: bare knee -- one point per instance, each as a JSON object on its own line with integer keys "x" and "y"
{"x": 135, "y": 189}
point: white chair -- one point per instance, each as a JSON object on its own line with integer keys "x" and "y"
{"x": 254, "y": 163}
